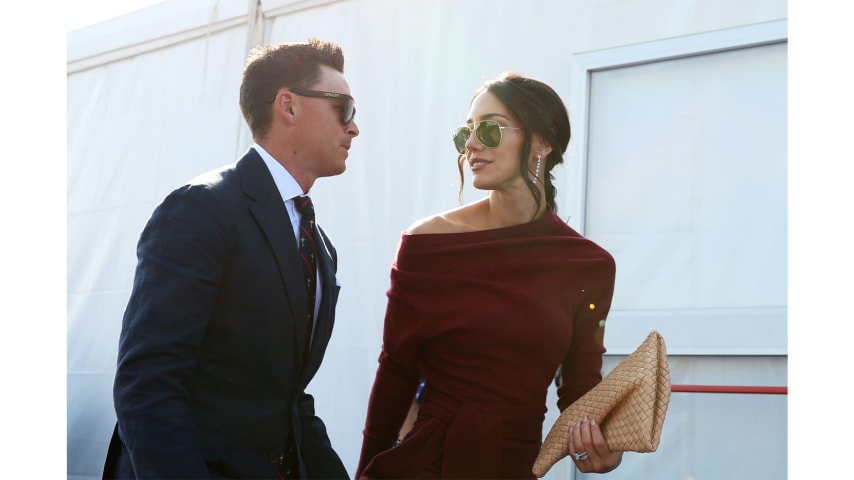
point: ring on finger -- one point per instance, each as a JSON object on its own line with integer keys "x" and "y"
{"x": 581, "y": 456}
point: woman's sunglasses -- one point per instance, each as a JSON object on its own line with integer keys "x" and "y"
{"x": 487, "y": 132}
{"x": 348, "y": 108}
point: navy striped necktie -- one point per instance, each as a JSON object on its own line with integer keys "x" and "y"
{"x": 308, "y": 255}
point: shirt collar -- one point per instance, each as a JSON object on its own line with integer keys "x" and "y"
{"x": 285, "y": 182}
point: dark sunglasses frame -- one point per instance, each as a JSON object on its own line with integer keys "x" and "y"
{"x": 484, "y": 137}
{"x": 349, "y": 110}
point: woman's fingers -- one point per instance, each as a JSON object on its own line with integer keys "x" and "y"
{"x": 597, "y": 440}
{"x": 589, "y": 449}
{"x": 577, "y": 445}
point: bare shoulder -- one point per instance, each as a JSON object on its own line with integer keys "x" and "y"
{"x": 452, "y": 221}
{"x": 435, "y": 224}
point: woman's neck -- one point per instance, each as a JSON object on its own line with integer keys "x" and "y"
{"x": 503, "y": 209}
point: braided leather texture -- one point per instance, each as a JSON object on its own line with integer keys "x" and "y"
{"x": 629, "y": 404}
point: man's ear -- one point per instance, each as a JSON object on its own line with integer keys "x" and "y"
{"x": 283, "y": 106}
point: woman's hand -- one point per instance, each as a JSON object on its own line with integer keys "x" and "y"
{"x": 589, "y": 450}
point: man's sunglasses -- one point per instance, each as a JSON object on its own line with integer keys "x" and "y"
{"x": 487, "y": 132}
{"x": 348, "y": 110}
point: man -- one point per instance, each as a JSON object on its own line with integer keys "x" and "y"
{"x": 229, "y": 318}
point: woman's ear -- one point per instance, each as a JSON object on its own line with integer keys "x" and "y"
{"x": 541, "y": 147}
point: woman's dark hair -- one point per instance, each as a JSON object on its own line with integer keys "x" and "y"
{"x": 541, "y": 111}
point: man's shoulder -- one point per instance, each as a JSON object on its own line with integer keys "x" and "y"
{"x": 220, "y": 177}
{"x": 214, "y": 176}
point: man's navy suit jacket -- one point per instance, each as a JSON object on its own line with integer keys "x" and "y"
{"x": 211, "y": 370}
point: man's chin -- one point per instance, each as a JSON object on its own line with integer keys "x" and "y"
{"x": 337, "y": 171}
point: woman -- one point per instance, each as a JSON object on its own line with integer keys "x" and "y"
{"x": 486, "y": 302}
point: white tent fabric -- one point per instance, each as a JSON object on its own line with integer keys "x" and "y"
{"x": 152, "y": 102}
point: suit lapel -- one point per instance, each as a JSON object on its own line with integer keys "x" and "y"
{"x": 325, "y": 317}
{"x": 269, "y": 211}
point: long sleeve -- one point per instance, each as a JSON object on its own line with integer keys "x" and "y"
{"x": 391, "y": 396}
{"x": 485, "y": 317}
{"x": 321, "y": 460}
{"x": 395, "y": 384}
{"x": 581, "y": 368}
{"x": 180, "y": 253}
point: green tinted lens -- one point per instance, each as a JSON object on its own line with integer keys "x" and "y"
{"x": 461, "y": 136}
{"x": 489, "y": 133}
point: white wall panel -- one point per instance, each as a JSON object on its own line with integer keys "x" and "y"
{"x": 685, "y": 163}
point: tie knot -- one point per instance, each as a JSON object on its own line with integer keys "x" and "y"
{"x": 304, "y": 205}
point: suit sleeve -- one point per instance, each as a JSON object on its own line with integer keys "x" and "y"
{"x": 180, "y": 252}
{"x": 319, "y": 457}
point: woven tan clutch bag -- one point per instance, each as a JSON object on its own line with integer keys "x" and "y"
{"x": 629, "y": 404}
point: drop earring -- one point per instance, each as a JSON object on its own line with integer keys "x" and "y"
{"x": 537, "y": 171}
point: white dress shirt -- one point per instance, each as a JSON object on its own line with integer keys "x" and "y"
{"x": 288, "y": 189}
